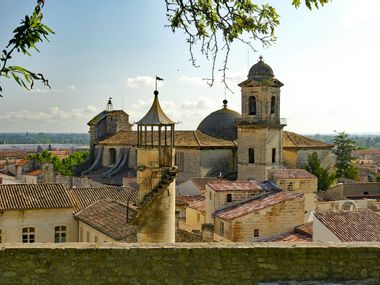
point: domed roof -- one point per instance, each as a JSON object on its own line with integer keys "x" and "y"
{"x": 260, "y": 71}
{"x": 220, "y": 124}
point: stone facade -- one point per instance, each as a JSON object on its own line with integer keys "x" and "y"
{"x": 201, "y": 264}
{"x": 43, "y": 221}
{"x": 90, "y": 234}
{"x": 268, "y": 222}
{"x": 297, "y": 158}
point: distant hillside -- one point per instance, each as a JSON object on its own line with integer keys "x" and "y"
{"x": 362, "y": 141}
{"x": 44, "y": 138}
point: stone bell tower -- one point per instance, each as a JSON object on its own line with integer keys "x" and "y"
{"x": 156, "y": 176}
{"x": 260, "y": 126}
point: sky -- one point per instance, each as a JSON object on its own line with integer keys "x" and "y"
{"x": 328, "y": 60}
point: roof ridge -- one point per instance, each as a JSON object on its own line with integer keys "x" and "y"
{"x": 196, "y": 137}
{"x": 291, "y": 138}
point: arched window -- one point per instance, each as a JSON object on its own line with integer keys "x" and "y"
{"x": 60, "y": 234}
{"x": 28, "y": 235}
{"x": 273, "y": 155}
{"x": 112, "y": 154}
{"x": 273, "y": 105}
{"x": 252, "y": 105}
{"x": 251, "y": 155}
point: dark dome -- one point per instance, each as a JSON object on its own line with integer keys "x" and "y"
{"x": 220, "y": 124}
{"x": 260, "y": 71}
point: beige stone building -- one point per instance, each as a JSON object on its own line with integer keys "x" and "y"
{"x": 299, "y": 181}
{"x": 36, "y": 213}
{"x": 260, "y": 217}
{"x": 226, "y": 143}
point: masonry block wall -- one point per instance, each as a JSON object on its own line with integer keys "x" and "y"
{"x": 178, "y": 264}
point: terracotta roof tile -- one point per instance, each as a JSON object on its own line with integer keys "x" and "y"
{"x": 33, "y": 196}
{"x": 81, "y": 198}
{"x": 255, "y": 204}
{"x": 305, "y": 229}
{"x": 197, "y": 202}
{"x": 291, "y": 174}
{"x": 351, "y": 226}
{"x": 201, "y": 182}
{"x": 288, "y": 237}
{"x": 182, "y": 139}
{"x": 34, "y": 172}
{"x": 291, "y": 139}
{"x": 226, "y": 185}
{"x": 22, "y": 162}
{"x": 109, "y": 217}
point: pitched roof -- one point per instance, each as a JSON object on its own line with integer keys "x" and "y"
{"x": 227, "y": 186}
{"x": 35, "y": 172}
{"x": 22, "y": 162}
{"x": 201, "y": 182}
{"x": 255, "y": 204}
{"x": 292, "y": 236}
{"x": 81, "y": 198}
{"x": 197, "y": 202}
{"x": 294, "y": 140}
{"x": 182, "y": 139}
{"x": 110, "y": 217}
{"x": 155, "y": 115}
{"x": 291, "y": 174}
{"x": 305, "y": 229}
{"x": 33, "y": 196}
{"x": 104, "y": 114}
{"x": 351, "y": 226}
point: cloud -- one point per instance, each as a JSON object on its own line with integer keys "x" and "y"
{"x": 193, "y": 80}
{"x": 53, "y": 114}
{"x": 140, "y": 81}
{"x": 105, "y": 86}
{"x": 72, "y": 87}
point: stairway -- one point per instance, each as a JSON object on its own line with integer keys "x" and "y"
{"x": 166, "y": 179}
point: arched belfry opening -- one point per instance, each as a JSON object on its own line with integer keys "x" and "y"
{"x": 156, "y": 130}
{"x": 112, "y": 156}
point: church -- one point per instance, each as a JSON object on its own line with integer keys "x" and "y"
{"x": 226, "y": 143}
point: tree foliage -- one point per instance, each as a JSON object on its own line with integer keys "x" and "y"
{"x": 325, "y": 179}
{"x": 343, "y": 147}
{"x": 216, "y": 24}
{"x": 25, "y": 37}
{"x": 65, "y": 166}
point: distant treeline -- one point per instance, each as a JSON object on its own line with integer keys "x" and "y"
{"x": 44, "y": 138}
{"x": 362, "y": 141}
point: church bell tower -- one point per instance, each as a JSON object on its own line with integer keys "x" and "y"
{"x": 260, "y": 126}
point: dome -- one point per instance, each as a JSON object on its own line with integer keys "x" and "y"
{"x": 260, "y": 71}
{"x": 220, "y": 124}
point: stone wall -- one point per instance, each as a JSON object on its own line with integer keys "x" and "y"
{"x": 78, "y": 182}
{"x": 247, "y": 263}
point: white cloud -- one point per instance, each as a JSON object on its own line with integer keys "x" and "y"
{"x": 72, "y": 87}
{"x": 193, "y": 80}
{"x": 140, "y": 81}
{"x": 105, "y": 86}
{"x": 53, "y": 114}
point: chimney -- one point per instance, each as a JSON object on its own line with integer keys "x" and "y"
{"x": 207, "y": 232}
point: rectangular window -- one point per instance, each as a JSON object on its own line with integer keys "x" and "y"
{"x": 81, "y": 234}
{"x": 273, "y": 155}
{"x": 221, "y": 228}
{"x": 290, "y": 186}
{"x": 198, "y": 217}
{"x": 60, "y": 234}
{"x": 251, "y": 155}
{"x": 87, "y": 236}
{"x": 255, "y": 233}
{"x": 28, "y": 235}
{"x": 229, "y": 198}
{"x": 96, "y": 238}
{"x": 210, "y": 195}
{"x": 180, "y": 161}
{"x": 0, "y": 235}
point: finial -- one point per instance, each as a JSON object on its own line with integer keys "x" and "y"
{"x": 155, "y": 92}
{"x": 261, "y": 58}
{"x": 109, "y": 105}
{"x": 225, "y": 103}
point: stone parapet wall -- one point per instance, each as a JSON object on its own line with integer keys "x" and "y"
{"x": 241, "y": 263}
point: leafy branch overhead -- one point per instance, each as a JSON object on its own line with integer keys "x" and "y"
{"x": 214, "y": 25}
{"x": 30, "y": 32}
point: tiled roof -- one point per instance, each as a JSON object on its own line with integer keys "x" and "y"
{"x": 33, "y": 196}
{"x": 197, "y": 202}
{"x": 81, "y": 198}
{"x": 292, "y": 236}
{"x": 182, "y": 139}
{"x": 104, "y": 114}
{"x": 351, "y": 226}
{"x": 21, "y": 162}
{"x": 291, "y": 139}
{"x": 201, "y": 182}
{"x": 255, "y": 204}
{"x": 365, "y": 152}
{"x": 291, "y": 174}
{"x": 110, "y": 218}
{"x": 305, "y": 229}
{"x": 226, "y": 185}
{"x": 34, "y": 172}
